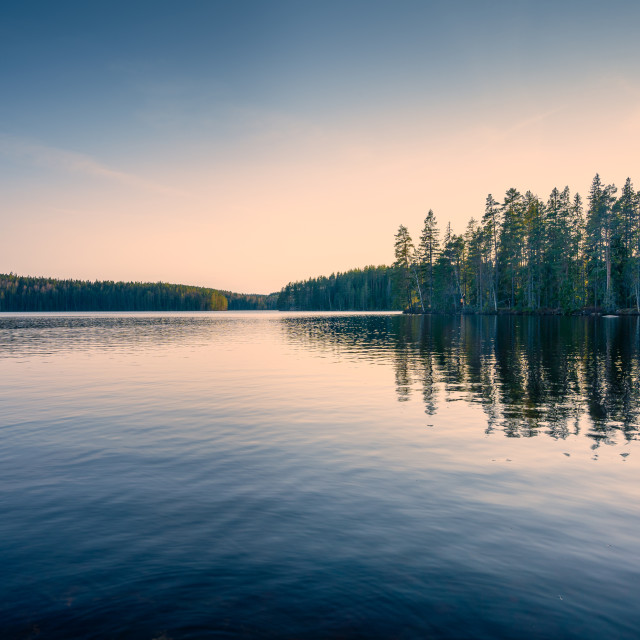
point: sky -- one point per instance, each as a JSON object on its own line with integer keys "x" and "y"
{"x": 242, "y": 145}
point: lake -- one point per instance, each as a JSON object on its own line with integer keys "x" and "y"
{"x": 300, "y": 475}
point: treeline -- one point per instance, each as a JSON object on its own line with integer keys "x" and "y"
{"x": 19, "y": 293}
{"x": 526, "y": 254}
{"x": 250, "y": 301}
{"x": 368, "y": 289}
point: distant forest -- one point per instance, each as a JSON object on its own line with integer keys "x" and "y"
{"x": 368, "y": 289}
{"x": 250, "y": 301}
{"x": 19, "y": 293}
{"x": 524, "y": 255}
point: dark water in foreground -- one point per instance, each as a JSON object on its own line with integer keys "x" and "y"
{"x": 313, "y": 476}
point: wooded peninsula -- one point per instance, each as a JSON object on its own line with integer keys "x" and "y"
{"x": 524, "y": 255}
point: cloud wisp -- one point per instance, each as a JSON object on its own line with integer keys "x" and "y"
{"x": 74, "y": 162}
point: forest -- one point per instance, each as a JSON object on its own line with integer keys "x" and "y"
{"x": 368, "y": 289}
{"x": 250, "y": 301}
{"x": 524, "y": 254}
{"x": 19, "y": 293}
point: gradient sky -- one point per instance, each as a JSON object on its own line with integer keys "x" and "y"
{"x": 242, "y": 145}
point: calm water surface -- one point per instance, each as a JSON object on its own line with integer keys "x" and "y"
{"x": 318, "y": 476}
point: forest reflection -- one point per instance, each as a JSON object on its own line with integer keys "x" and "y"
{"x": 531, "y": 375}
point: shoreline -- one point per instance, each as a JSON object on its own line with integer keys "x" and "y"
{"x": 589, "y": 313}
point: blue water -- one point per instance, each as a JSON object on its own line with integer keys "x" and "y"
{"x": 318, "y": 475}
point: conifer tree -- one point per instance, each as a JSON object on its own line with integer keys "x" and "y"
{"x": 449, "y": 271}
{"x": 474, "y": 265}
{"x": 511, "y": 245}
{"x": 404, "y": 264}
{"x": 600, "y": 228}
{"x": 534, "y": 247}
{"x": 491, "y": 224}
{"x": 623, "y": 241}
{"x": 576, "y": 249}
{"x": 428, "y": 253}
{"x": 558, "y": 223}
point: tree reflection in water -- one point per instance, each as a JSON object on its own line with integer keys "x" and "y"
{"x": 532, "y": 375}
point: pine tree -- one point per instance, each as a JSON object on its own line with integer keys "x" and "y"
{"x": 558, "y": 221}
{"x": 576, "y": 250}
{"x": 511, "y": 245}
{"x": 491, "y": 225}
{"x": 534, "y": 247}
{"x": 474, "y": 266}
{"x": 405, "y": 267}
{"x": 623, "y": 241}
{"x": 428, "y": 253}
{"x": 449, "y": 271}
{"x": 600, "y": 228}
{"x": 635, "y": 260}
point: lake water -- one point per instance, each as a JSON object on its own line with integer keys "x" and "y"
{"x": 318, "y": 476}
